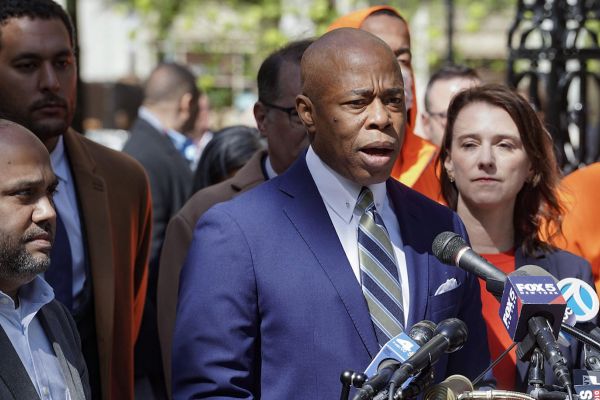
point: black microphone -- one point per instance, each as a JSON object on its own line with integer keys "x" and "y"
{"x": 450, "y": 335}
{"x": 391, "y": 355}
{"x": 450, "y": 248}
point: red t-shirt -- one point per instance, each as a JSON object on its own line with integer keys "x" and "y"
{"x": 498, "y": 339}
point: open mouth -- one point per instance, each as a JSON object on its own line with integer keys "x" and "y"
{"x": 378, "y": 151}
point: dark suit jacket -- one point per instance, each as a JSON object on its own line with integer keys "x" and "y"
{"x": 114, "y": 207}
{"x": 169, "y": 174}
{"x": 269, "y": 306}
{"x": 62, "y": 334}
{"x": 170, "y": 183}
{"x": 177, "y": 243}
{"x": 560, "y": 264}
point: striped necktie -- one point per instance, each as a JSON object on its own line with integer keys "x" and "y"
{"x": 378, "y": 271}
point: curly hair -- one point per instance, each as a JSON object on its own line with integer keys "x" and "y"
{"x": 537, "y": 207}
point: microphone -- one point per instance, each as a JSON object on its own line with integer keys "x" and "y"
{"x": 450, "y": 335}
{"x": 450, "y": 248}
{"x": 526, "y": 324}
{"x": 395, "y": 351}
{"x": 449, "y": 389}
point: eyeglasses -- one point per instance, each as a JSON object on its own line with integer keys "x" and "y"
{"x": 441, "y": 117}
{"x": 293, "y": 116}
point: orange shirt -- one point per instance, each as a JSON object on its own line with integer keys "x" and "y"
{"x": 581, "y": 198}
{"x": 498, "y": 339}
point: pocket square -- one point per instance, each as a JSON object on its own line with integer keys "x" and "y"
{"x": 446, "y": 286}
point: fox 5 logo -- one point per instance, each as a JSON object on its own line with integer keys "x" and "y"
{"x": 587, "y": 394}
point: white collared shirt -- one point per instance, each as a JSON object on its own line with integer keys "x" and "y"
{"x": 65, "y": 201}
{"x": 340, "y": 196}
{"x": 30, "y": 341}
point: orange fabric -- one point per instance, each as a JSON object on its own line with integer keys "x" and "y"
{"x": 498, "y": 339}
{"x": 581, "y": 223}
{"x": 415, "y": 166}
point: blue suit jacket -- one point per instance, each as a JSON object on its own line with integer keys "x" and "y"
{"x": 269, "y": 306}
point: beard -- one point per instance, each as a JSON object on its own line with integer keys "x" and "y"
{"x": 43, "y": 129}
{"x": 16, "y": 263}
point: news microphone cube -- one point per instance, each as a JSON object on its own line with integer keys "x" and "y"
{"x": 525, "y": 297}
{"x": 399, "y": 348}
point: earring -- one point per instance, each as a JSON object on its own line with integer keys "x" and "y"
{"x": 535, "y": 180}
{"x": 450, "y": 177}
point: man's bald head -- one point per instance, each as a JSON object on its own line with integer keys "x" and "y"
{"x": 27, "y": 185}
{"x": 340, "y": 49}
{"x": 168, "y": 82}
{"x": 13, "y": 135}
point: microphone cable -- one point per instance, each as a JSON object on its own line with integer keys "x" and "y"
{"x": 494, "y": 363}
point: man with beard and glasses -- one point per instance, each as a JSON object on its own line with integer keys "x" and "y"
{"x": 103, "y": 200}
{"x": 39, "y": 343}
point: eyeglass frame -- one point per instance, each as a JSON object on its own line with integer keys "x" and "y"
{"x": 288, "y": 110}
{"x": 441, "y": 117}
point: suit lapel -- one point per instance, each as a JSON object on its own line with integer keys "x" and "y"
{"x": 417, "y": 263}
{"x": 13, "y": 373}
{"x": 95, "y": 218}
{"x": 309, "y": 216}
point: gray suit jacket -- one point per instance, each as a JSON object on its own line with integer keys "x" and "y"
{"x": 177, "y": 242}
{"x": 62, "y": 334}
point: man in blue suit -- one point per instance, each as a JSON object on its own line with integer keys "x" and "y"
{"x": 274, "y": 298}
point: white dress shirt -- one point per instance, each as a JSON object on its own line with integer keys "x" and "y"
{"x": 30, "y": 341}
{"x": 65, "y": 201}
{"x": 340, "y": 196}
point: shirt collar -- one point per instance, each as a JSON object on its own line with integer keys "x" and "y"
{"x": 338, "y": 192}
{"x": 58, "y": 160}
{"x": 269, "y": 168}
{"x": 150, "y": 118}
{"x": 32, "y": 296}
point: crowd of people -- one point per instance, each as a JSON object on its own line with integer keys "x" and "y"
{"x": 262, "y": 262}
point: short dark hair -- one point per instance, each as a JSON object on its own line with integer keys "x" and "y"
{"x": 537, "y": 204}
{"x": 168, "y": 82}
{"x": 35, "y": 9}
{"x": 228, "y": 151}
{"x": 268, "y": 73}
{"x": 388, "y": 12}
{"x": 447, "y": 72}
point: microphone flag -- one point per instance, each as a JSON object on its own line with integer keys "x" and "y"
{"x": 527, "y": 296}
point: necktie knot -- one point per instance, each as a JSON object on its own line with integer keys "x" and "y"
{"x": 365, "y": 200}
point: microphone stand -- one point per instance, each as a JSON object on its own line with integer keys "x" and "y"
{"x": 351, "y": 379}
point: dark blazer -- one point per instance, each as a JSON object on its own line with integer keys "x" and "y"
{"x": 170, "y": 183}
{"x": 177, "y": 243}
{"x": 269, "y": 306}
{"x": 114, "y": 208}
{"x": 62, "y": 333}
{"x": 560, "y": 264}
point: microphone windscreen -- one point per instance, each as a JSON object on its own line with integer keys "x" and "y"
{"x": 446, "y": 246}
{"x": 449, "y": 389}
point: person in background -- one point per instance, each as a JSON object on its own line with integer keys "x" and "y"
{"x": 581, "y": 199}
{"x": 228, "y": 151}
{"x": 103, "y": 199}
{"x": 278, "y": 83}
{"x": 499, "y": 173}
{"x": 200, "y": 133}
{"x": 415, "y": 165}
{"x": 310, "y": 273}
{"x": 39, "y": 343}
{"x": 170, "y": 107}
{"x": 442, "y": 86}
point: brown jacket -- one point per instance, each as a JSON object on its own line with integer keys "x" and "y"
{"x": 177, "y": 242}
{"x": 115, "y": 211}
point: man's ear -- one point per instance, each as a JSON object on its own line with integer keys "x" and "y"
{"x": 260, "y": 114}
{"x": 305, "y": 109}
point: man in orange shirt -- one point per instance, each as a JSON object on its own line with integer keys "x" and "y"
{"x": 415, "y": 165}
